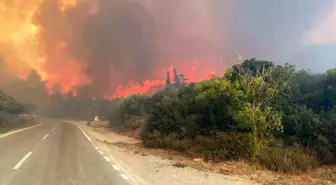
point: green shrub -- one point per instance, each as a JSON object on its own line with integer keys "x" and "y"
{"x": 323, "y": 150}
{"x": 152, "y": 139}
{"x": 12, "y": 121}
{"x": 219, "y": 147}
{"x": 288, "y": 160}
{"x": 181, "y": 145}
{"x": 223, "y": 146}
{"x": 239, "y": 116}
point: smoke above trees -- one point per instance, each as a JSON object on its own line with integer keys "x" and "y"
{"x": 105, "y": 46}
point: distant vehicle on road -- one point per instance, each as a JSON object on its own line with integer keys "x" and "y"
{"x": 23, "y": 115}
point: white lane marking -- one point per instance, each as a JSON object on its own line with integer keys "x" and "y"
{"x": 128, "y": 168}
{"x": 125, "y": 171}
{"x": 17, "y": 166}
{"x": 16, "y": 131}
{"x": 103, "y": 153}
{"x": 84, "y": 133}
{"x": 107, "y": 159}
{"x": 45, "y": 137}
{"x": 55, "y": 128}
{"x": 124, "y": 176}
{"x": 115, "y": 167}
{"x": 96, "y": 148}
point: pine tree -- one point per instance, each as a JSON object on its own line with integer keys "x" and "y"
{"x": 184, "y": 80}
{"x": 177, "y": 79}
{"x": 168, "y": 82}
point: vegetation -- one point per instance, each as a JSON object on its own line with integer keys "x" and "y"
{"x": 38, "y": 97}
{"x": 243, "y": 114}
{"x": 9, "y": 113}
{"x": 277, "y": 116}
{"x": 71, "y": 106}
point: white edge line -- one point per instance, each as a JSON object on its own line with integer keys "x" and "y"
{"x": 17, "y": 166}
{"x": 55, "y": 128}
{"x": 84, "y": 133}
{"x": 45, "y": 137}
{"x": 115, "y": 167}
{"x": 124, "y": 176}
{"x": 102, "y": 153}
{"x": 16, "y": 131}
{"x": 96, "y": 148}
{"x": 107, "y": 159}
{"x": 122, "y": 169}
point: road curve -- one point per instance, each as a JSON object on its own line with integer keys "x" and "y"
{"x": 55, "y": 153}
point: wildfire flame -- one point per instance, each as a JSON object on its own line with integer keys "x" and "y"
{"x": 25, "y": 44}
{"x": 18, "y": 37}
{"x": 66, "y": 4}
{"x": 192, "y": 75}
{"x": 123, "y": 91}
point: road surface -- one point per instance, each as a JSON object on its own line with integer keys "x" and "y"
{"x": 55, "y": 153}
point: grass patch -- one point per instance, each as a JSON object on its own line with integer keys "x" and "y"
{"x": 179, "y": 165}
{"x": 136, "y": 152}
{"x": 3, "y": 130}
{"x": 143, "y": 154}
{"x": 288, "y": 160}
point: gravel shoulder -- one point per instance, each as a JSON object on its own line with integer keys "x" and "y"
{"x": 152, "y": 170}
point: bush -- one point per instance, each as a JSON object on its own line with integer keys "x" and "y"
{"x": 288, "y": 160}
{"x": 223, "y": 146}
{"x": 11, "y": 121}
{"x": 153, "y": 139}
{"x": 219, "y": 147}
{"x": 241, "y": 114}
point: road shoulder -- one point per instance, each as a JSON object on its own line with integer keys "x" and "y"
{"x": 13, "y": 131}
{"x": 150, "y": 169}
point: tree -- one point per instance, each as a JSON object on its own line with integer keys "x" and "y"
{"x": 168, "y": 82}
{"x": 177, "y": 79}
{"x": 330, "y": 90}
{"x": 251, "y": 67}
{"x": 9, "y": 105}
{"x": 184, "y": 80}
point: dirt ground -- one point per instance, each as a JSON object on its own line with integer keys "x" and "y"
{"x": 156, "y": 166}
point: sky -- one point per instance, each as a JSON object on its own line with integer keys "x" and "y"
{"x": 118, "y": 47}
{"x": 302, "y": 32}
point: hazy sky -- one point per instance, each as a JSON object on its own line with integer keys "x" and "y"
{"x": 302, "y": 32}
{"x": 108, "y": 44}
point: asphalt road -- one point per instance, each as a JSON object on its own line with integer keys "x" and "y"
{"x": 54, "y": 153}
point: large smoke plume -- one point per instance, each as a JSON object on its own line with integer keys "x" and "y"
{"x": 103, "y": 44}
{"x": 108, "y": 43}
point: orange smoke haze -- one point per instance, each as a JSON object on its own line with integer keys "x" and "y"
{"x": 191, "y": 72}
{"x": 115, "y": 47}
{"x": 65, "y": 4}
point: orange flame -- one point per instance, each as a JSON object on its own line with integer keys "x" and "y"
{"x": 191, "y": 73}
{"x": 66, "y": 4}
{"x": 23, "y": 49}
{"x": 131, "y": 88}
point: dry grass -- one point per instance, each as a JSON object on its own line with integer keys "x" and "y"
{"x": 245, "y": 169}
{"x": 179, "y": 165}
{"x": 325, "y": 175}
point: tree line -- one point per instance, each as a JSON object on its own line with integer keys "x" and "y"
{"x": 10, "y": 110}
{"x": 39, "y": 98}
{"x": 275, "y": 115}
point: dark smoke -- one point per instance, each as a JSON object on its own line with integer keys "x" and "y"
{"x": 130, "y": 40}
{"x": 120, "y": 43}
